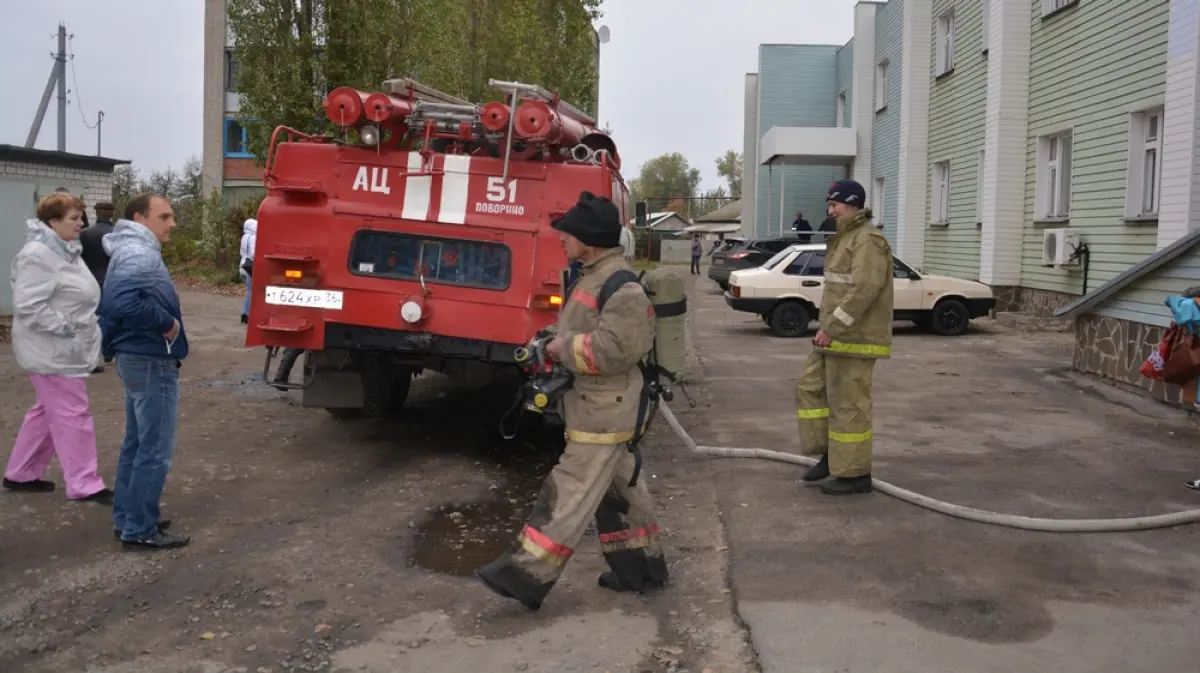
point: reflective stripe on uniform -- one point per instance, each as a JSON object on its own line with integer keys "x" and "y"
{"x": 850, "y": 437}
{"x": 858, "y": 349}
{"x": 812, "y": 413}
{"x": 839, "y": 277}
{"x": 846, "y": 318}
{"x": 599, "y": 437}
{"x": 581, "y": 348}
{"x": 637, "y": 538}
{"x": 543, "y": 548}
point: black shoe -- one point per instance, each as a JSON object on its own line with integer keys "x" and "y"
{"x": 98, "y": 370}
{"x": 104, "y": 496}
{"x": 35, "y": 486}
{"x": 162, "y": 524}
{"x": 613, "y": 582}
{"x": 245, "y": 319}
{"x": 848, "y": 486}
{"x": 819, "y": 471}
{"x": 159, "y": 540}
{"x": 108, "y": 361}
{"x": 488, "y": 576}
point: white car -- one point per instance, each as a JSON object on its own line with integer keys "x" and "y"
{"x": 786, "y": 292}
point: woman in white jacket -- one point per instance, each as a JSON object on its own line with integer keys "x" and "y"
{"x": 56, "y": 339}
{"x": 249, "y": 238}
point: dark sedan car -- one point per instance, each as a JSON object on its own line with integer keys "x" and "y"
{"x": 735, "y": 254}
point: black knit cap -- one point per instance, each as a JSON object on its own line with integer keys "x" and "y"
{"x": 594, "y": 220}
{"x": 848, "y": 192}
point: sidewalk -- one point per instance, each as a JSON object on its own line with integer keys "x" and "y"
{"x": 872, "y": 584}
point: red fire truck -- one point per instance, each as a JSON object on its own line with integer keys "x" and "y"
{"x": 418, "y": 239}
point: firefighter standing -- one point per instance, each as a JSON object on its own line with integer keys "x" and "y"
{"x": 592, "y": 477}
{"x": 833, "y": 395}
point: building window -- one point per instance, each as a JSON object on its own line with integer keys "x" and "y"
{"x": 1052, "y": 6}
{"x": 979, "y": 187}
{"x": 945, "y": 43}
{"x": 941, "y": 193}
{"x": 1054, "y": 176}
{"x": 987, "y": 25}
{"x": 1144, "y": 186}
{"x": 231, "y": 66}
{"x": 840, "y": 122}
{"x": 236, "y": 139}
{"x": 881, "y": 85}
{"x": 877, "y": 196}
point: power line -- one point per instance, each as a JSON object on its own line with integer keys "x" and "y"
{"x": 75, "y": 83}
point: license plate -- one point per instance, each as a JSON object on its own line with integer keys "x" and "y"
{"x": 718, "y": 261}
{"x": 330, "y": 300}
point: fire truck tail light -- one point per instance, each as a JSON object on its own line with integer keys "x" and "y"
{"x": 547, "y": 301}
{"x": 293, "y": 274}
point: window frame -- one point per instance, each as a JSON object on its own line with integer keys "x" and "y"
{"x": 881, "y": 85}
{"x": 945, "y": 34}
{"x": 805, "y": 255}
{"x": 940, "y": 193}
{"x": 354, "y": 271}
{"x": 225, "y": 130}
{"x": 840, "y": 111}
{"x": 878, "y": 198}
{"x": 1052, "y": 7}
{"x": 1139, "y": 148}
{"x": 981, "y": 159}
{"x": 1052, "y": 201}
{"x": 231, "y": 70}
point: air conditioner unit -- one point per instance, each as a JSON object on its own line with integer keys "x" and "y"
{"x": 1059, "y": 246}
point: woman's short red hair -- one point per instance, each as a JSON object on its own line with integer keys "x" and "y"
{"x": 57, "y": 205}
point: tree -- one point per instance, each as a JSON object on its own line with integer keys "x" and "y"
{"x": 291, "y": 53}
{"x": 664, "y": 179}
{"x": 729, "y": 167}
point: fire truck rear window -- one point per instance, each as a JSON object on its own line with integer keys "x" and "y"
{"x": 390, "y": 255}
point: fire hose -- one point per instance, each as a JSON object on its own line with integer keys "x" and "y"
{"x": 950, "y": 509}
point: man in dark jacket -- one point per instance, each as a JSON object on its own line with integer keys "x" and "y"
{"x": 829, "y": 226}
{"x": 802, "y": 228}
{"x": 142, "y": 325}
{"x": 93, "y": 250}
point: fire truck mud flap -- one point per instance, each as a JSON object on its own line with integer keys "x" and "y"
{"x": 347, "y": 384}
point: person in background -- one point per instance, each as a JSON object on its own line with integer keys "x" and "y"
{"x": 802, "y": 229}
{"x": 246, "y": 264}
{"x": 628, "y": 242}
{"x": 93, "y": 250}
{"x": 697, "y": 252}
{"x": 56, "y": 339}
{"x": 829, "y": 226}
{"x": 143, "y": 328}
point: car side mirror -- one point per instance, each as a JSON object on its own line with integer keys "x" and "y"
{"x": 913, "y": 275}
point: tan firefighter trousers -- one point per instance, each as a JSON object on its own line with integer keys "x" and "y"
{"x": 589, "y": 480}
{"x": 833, "y": 403}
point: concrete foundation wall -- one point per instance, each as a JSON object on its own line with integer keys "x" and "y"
{"x": 1114, "y": 349}
{"x": 678, "y": 251}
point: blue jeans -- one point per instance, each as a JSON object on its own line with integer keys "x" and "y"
{"x": 151, "y": 420}
{"x": 246, "y": 305}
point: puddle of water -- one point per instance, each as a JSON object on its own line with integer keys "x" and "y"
{"x": 459, "y": 538}
{"x": 247, "y": 384}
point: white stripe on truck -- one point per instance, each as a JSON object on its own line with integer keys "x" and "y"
{"x": 417, "y": 191}
{"x": 456, "y": 179}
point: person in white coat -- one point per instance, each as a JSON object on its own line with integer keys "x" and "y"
{"x": 56, "y": 339}
{"x": 628, "y": 242}
{"x": 249, "y": 239}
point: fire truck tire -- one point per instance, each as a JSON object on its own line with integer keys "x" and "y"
{"x": 385, "y": 390}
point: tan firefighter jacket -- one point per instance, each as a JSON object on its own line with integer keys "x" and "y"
{"x": 603, "y": 351}
{"x": 856, "y": 306}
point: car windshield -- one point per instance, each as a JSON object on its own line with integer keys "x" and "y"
{"x": 779, "y": 257}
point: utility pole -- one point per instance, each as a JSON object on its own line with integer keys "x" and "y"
{"x": 99, "y": 122}
{"x": 58, "y": 75}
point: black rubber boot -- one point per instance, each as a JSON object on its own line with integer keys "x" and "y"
{"x": 819, "y": 471}
{"x": 286, "y": 362}
{"x": 35, "y": 486}
{"x": 848, "y": 486}
{"x": 493, "y": 577}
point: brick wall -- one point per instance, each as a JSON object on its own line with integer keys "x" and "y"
{"x": 95, "y": 185}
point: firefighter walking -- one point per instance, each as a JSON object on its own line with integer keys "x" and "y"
{"x": 592, "y": 478}
{"x": 833, "y": 395}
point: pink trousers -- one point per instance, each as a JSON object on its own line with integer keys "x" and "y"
{"x": 60, "y": 422}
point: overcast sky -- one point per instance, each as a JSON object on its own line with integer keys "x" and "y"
{"x": 671, "y": 78}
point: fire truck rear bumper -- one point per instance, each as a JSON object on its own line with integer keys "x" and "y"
{"x": 357, "y": 337}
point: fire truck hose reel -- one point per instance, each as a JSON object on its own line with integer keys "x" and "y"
{"x": 950, "y": 509}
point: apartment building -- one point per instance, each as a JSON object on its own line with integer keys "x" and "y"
{"x": 228, "y": 166}
{"x": 819, "y": 113}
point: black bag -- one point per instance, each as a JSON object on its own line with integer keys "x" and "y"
{"x": 248, "y": 266}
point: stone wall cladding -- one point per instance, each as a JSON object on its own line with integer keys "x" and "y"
{"x": 1114, "y": 349}
{"x": 1043, "y": 303}
{"x": 97, "y": 185}
{"x": 1008, "y": 298}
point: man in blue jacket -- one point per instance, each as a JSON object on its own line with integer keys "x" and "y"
{"x": 142, "y": 326}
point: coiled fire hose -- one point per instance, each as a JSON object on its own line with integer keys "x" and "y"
{"x": 950, "y": 509}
